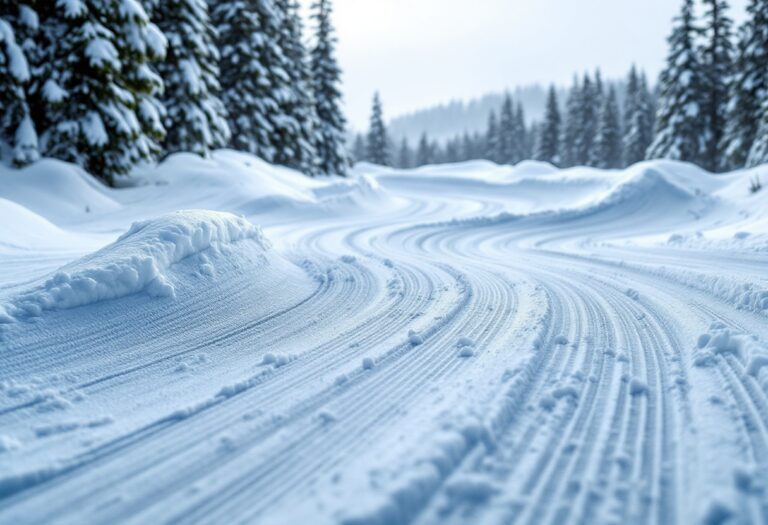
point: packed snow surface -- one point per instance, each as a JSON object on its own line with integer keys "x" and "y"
{"x": 231, "y": 342}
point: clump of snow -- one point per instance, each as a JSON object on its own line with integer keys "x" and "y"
{"x": 368, "y": 363}
{"x": 633, "y": 294}
{"x": 561, "y": 340}
{"x": 568, "y": 391}
{"x": 414, "y": 338}
{"x": 137, "y": 261}
{"x": 464, "y": 341}
{"x": 637, "y": 387}
{"x": 466, "y": 351}
{"x": 748, "y": 349}
{"x": 466, "y": 347}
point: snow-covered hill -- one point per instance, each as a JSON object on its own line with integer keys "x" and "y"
{"x": 229, "y": 341}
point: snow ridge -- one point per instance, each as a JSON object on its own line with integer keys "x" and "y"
{"x": 137, "y": 261}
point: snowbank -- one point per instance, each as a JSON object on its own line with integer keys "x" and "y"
{"x": 56, "y": 190}
{"x": 136, "y": 262}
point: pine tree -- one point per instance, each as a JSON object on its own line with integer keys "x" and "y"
{"x": 638, "y": 119}
{"x": 506, "y": 147}
{"x": 548, "y": 141}
{"x": 424, "y": 151}
{"x": 749, "y": 86}
{"x": 296, "y": 127}
{"x": 195, "y": 118}
{"x": 467, "y": 147}
{"x": 250, "y": 86}
{"x": 452, "y": 150}
{"x": 378, "y": 141}
{"x": 404, "y": 155}
{"x": 95, "y": 87}
{"x": 520, "y": 143}
{"x": 680, "y": 116}
{"x": 607, "y": 148}
{"x": 17, "y": 129}
{"x": 587, "y": 122}
{"x": 326, "y": 75}
{"x": 359, "y": 153}
{"x": 491, "y": 150}
{"x": 571, "y": 128}
{"x": 718, "y": 69}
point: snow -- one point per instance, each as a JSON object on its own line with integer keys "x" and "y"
{"x": 224, "y": 340}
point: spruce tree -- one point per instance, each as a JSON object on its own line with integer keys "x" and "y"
{"x": 95, "y": 86}
{"x": 359, "y": 153}
{"x": 491, "y": 150}
{"x": 251, "y": 76}
{"x": 506, "y": 147}
{"x": 607, "y": 148}
{"x": 680, "y": 117}
{"x": 572, "y": 126}
{"x": 378, "y": 141}
{"x": 638, "y": 119}
{"x": 749, "y": 86}
{"x": 17, "y": 130}
{"x": 548, "y": 141}
{"x": 326, "y": 77}
{"x": 467, "y": 147}
{"x": 520, "y": 143}
{"x": 717, "y": 63}
{"x": 586, "y": 123}
{"x": 296, "y": 127}
{"x": 195, "y": 118}
{"x": 404, "y": 155}
{"x": 424, "y": 151}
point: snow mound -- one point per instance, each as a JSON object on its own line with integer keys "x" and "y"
{"x": 56, "y": 190}
{"x": 23, "y": 228}
{"x": 722, "y": 340}
{"x": 137, "y": 261}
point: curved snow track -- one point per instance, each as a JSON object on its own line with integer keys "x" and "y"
{"x": 403, "y": 367}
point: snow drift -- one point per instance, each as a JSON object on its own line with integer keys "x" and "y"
{"x": 137, "y": 261}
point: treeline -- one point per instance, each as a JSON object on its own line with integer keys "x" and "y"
{"x": 590, "y": 129}
{"x": 108, "y": 84}
{"x": 710, "y": 108}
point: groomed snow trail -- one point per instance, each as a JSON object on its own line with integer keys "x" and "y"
{"x": 459, "y": 344}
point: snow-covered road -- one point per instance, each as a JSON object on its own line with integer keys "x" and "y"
{"x": 460, "y": 344}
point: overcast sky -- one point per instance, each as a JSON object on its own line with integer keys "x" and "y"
{"x": 421, "y": 52}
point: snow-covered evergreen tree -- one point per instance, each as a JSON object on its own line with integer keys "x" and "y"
{"x": 586, "y": 123}
{"x": 252, "y": 77}
{"x": 680, "y": 119}
{"x": 17, "y": 130}
{"x": 326, "y": 77}
{"x": 520, "y": 144}
{"x": 95, "y": 86}
{"x": 505, "y": 144}
{"x": 378, "y": 140}
{"x": 548, "y": 138}
{"x": 572, "y": 125}
{"x": 638, "y": 118}
{"x": 606, "y": 152}
{"x": 295, "y": 128}
{"x": 717, "y": 61}
{"x": 404, "y": 155}
{"x": 491, "y": 150}
{"x": 195, "y": 118}
{"x": 424, "y": 151}
{"x": 359, "y": 153}
{"x": 749, "y": 86}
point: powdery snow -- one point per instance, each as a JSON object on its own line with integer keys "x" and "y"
{"x": 464, "y": 343}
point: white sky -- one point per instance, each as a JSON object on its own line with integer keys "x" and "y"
{"x": 421, "y": 52}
